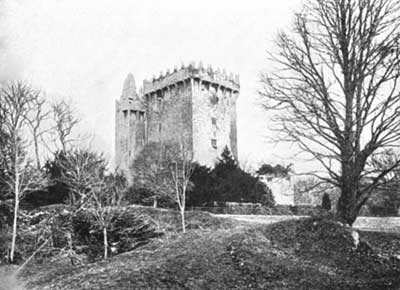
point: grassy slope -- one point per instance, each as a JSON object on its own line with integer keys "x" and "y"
{"x": 219, "y": 254}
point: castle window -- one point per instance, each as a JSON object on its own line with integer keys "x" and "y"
{"x": 157, "y": 105}
{"x": 214, "y": 99}
{"x": 214, "y": 121}
{"x": 159, "y": 128}
{"x": 214, "y": 143}
{"x": 125, "y": 113}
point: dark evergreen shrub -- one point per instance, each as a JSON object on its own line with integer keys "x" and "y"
{"x": 129, "y": 230}
{"x": 326, "y": 202}
{"x": 226, "y": 182}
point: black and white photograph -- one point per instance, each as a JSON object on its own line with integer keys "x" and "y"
{"x": 190, "y": 145}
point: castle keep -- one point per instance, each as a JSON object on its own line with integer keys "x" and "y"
{"x": 193, "y": 103}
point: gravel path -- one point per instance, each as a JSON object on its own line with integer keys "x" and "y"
{"x": 381, "y": 224}
{"x": 8, "y": 281}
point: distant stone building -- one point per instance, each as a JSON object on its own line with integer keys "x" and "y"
{"x": 194, "y": 104}
{"x": 282, "y": 188}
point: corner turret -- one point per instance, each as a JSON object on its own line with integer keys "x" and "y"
{"x": 129, "y": 89}
{"x": 130, "y": 99}
{"x": 130, "y": 120}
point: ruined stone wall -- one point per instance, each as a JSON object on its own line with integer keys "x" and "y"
{"x": 282, "y": 188}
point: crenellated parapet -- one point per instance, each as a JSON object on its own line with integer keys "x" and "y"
{"x": 192, "y": 71}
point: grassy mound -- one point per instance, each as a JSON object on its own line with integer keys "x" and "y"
{"x": 169, "y": 221}
{"x": 303, "y": 254}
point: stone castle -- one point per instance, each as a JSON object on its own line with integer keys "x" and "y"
{"x": 193, "y": 103}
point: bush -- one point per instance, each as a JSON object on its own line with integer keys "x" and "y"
{"x": 139, "y": 195}
{"x": 53, "y": 194}
{"x": 129, "y": 230}
{"x": 6, "y": 215}
{"x": 145, "y": 196}
{"x": 326, "y": 202}
{"x": 64, "y": 228}
{"x": 227, "y": 182}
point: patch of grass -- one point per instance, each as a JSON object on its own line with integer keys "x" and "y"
{"x": 387, "y": 244}
{"x": 170, "y": 220}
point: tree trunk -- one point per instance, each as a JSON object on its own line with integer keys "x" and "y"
{"x": 183, "y": 219}
{"x": 347, "y": 209}
{"x": 105, "y": 242}
{"x": 37, "y": 153}
{"x": 15, "y": 221}
{"x": 155, "y": 202}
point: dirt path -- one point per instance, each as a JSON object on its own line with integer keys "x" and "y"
{"x": 381, "y": 224}
{"x": 8, "y": 281}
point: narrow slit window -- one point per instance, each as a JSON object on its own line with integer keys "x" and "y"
{"x": 214, "y": 143}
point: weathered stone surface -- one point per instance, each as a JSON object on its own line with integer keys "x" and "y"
{"x": 192, "y": 104}
{"x": 282, "y": 188}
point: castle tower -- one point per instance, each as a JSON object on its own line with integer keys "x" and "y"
{"x": 130, "y": 125}
{"x": 193, "y": 104}
{"x": 198, "y": 104}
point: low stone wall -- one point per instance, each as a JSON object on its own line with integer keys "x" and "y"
{"x": 236, "y": 208}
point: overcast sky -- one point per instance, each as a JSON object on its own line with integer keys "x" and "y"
{"x": 83, "y": 50}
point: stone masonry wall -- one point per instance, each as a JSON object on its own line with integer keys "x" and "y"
{"x": 212, "y": 116}
{"x": 169, "y": 112}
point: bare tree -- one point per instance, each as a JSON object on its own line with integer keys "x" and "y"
{"x": 181, "y": 165}
{"x": 65, "y": 121}
{"x": 81, "y": 170}
{"x": 336, "y": 92}
{"x": 150, "y": 171}
{"x": 19, "y": 176}
{"x": 166, "y": 169}
{"x": 105, "y": 201}
{"x": 39, "y": 114}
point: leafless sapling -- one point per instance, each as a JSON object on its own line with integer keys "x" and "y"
{"x": 19, "y": 175}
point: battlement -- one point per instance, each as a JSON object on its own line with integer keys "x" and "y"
{"x": 210, "y": 75}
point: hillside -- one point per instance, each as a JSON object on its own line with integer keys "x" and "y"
{"x": 303, "y": 254}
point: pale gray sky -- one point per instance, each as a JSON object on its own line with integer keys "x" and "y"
{"x": 83, "y": 50}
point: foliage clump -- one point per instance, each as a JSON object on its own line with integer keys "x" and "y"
{"x": 227, "y": 182}
{"x": 77, "y": 236}
{"x": 326, "y": 202}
